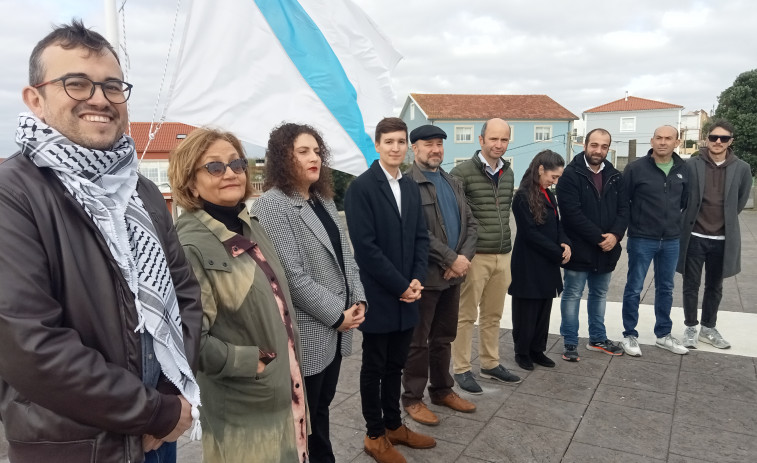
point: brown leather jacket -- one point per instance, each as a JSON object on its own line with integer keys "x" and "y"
{"x": 440, "y": 255}
{"x": 70, "y": 360}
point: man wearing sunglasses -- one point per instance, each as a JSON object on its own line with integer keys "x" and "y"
{"x": 100, "y": 312}
{"x": 710, "y": 235}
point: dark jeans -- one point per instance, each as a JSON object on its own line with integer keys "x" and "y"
{"x": 641, "y": 253}
{"x": 705, "y": 253}
{"x": 321, "y": 388}
{"x": 530, "y": 324}
{"x": 430, "y": 348}
{"x": 384, "y": 356}
{"x": 166, "y": 453}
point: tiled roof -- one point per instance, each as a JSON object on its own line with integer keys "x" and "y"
{"x": 479, "y": 107}
{"x": 166, "y": 138}
{"x": 632, "y": 103}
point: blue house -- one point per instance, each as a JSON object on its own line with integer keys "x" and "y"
{"x": 537, "y": 121}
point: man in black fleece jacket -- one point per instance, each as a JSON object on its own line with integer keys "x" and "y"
{"x": 657, "y": 191}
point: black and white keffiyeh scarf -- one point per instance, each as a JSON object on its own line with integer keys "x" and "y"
{"x": 105, "y": 185}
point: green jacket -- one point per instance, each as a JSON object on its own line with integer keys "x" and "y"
{"x": 489, "y": 202}
{"x": 245, "y": 416}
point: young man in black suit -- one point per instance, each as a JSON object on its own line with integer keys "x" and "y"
{"x": 390, "y": 239}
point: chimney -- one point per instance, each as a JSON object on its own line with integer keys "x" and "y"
{"x": 626, "y": 95}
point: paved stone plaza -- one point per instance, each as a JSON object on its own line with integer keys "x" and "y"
{"x": 700, "y": 407}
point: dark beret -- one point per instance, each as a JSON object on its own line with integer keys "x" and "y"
{"x": 427, "y": 132}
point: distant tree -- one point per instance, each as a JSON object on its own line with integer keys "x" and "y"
{"x": 341, "y": 181}
{"x": 738, "y": 105}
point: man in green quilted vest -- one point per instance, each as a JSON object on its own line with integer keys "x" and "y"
{"x": 488, "y": 183}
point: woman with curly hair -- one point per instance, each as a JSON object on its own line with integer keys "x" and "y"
{"x": 540, "y": 247}
{"x": 253, "y": 397}
{"x": 298, "y": 212}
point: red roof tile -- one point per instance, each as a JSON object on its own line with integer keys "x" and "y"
{"x": 632, "y": 103}
{"x": 513, "y": 107}
{"x": 166, "y": 138}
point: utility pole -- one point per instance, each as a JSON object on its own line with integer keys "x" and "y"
{"x": 631, "y": 151}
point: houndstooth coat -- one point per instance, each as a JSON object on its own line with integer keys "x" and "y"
{"x": 315, "y": 278}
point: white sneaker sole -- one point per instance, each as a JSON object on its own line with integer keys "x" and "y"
{"x": 631, "y": 352}
{"x": 670, "y": 349}
{"x": 705, "y": 340}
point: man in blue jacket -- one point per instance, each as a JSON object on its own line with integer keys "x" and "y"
{"x": 389, "y": 236}
{"x": 594, "y": 213}
{"x": 657, "y": 191}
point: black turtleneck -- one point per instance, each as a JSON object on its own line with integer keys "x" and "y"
{"x": 229, "y": 216}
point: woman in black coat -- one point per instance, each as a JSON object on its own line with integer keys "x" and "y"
{"x": 541, "y": 246}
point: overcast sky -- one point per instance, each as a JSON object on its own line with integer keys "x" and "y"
{"x": 581, "y": 53}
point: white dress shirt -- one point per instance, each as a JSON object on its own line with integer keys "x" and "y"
{"x": 394, "y": 184}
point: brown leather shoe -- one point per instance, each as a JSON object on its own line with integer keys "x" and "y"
{"x": 420, "y": 413}
{"x": 455, "y": 402}
{"x": 382, "y": 450}
{"x": 405, "y": 436}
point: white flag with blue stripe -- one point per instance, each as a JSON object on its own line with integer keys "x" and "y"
{"x": 248, "y": 65}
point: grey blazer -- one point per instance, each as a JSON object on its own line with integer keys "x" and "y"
{"x": 315, "y": 278}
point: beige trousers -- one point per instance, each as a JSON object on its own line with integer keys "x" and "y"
{"x": 482, "y": 297}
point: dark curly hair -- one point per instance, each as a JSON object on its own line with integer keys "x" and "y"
{"x": 530, "y": 182}
{"x": 280, "y": 161}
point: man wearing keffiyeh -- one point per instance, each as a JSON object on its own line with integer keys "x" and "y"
{"x": 99, "y": 310}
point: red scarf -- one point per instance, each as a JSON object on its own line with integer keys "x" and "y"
{"x": 546, "y": 195}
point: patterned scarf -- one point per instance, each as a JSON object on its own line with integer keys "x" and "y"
{"x": 105, "y": 185}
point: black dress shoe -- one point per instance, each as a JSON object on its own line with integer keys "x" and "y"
{"x": 524, "y": 362}
{"x": 540, "y": 359}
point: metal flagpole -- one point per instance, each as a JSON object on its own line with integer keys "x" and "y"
{"x": 111, "y": 24}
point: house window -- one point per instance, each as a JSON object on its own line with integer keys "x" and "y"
{"x": 542, "y": 132}
{"x": 412, "y": 111}
{"x": 628, "y": 124}
{"x": 156, "y": 171}
{"x": 463, "y": 134}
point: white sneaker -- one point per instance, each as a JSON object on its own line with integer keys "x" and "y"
{"x": 668, "y": 342}
{"x": 631, "y": 346}
{"x": 713, "y": 336}
{"x": 690, "y": 337}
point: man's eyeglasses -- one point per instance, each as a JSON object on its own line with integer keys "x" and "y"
{"x": 218, "y": 168}
{"x": 82, "y": 88}
{"x": 723, "y": 138}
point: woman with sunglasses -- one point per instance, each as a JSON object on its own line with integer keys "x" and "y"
{"x": 298, "y": 212}
{"x": 540, "y": 247}
{"x": 252, "y": 391}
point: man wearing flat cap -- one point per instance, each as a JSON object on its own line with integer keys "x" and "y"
{"x": 452, "y": 235}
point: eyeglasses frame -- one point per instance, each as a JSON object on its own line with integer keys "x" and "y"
{"x": 127, "y": 91}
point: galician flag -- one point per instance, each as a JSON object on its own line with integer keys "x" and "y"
{"x": 248, "y": 65}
